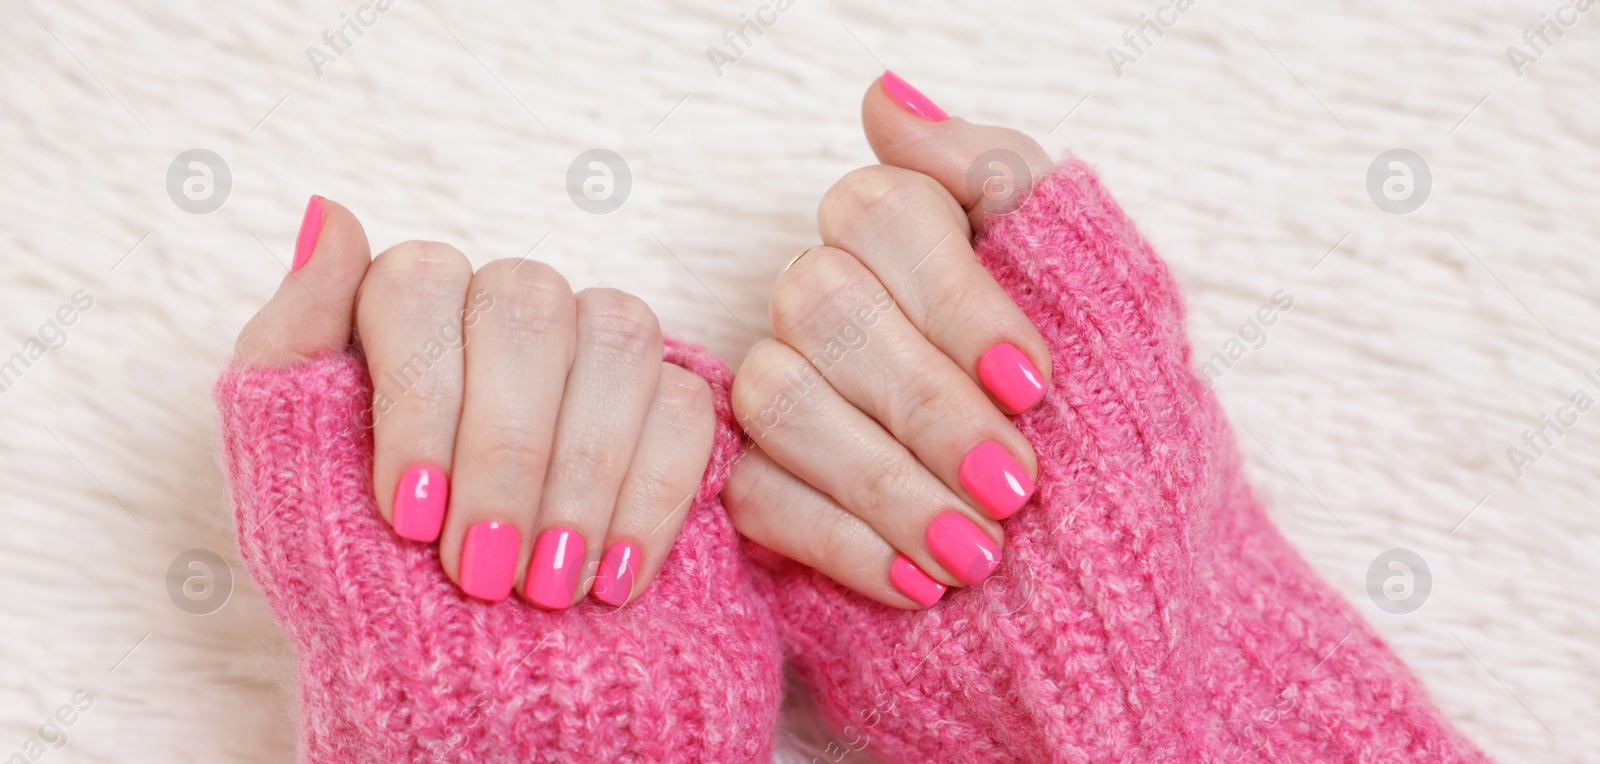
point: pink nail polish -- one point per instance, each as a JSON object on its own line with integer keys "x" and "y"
{"x": 995, "y": 480}
{"x": 911, "y": 99}
{"x": 618, "y": 569}
{"x": 962, "y": 548}
{"x": 419, "y": 502}
{"x": 489, "y": 560}
{"x": 556, "y": 568}
{"x": 310, "y": 228}
{"x": 1011, "y": 377}
{"x": 913, "y": 582}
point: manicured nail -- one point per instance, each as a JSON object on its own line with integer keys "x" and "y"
{"x": 962, "y": 548}
{"x": 310, "y": 227}
{"x": 556, "y": 568}
{"x": 911, "y": 99}
{"x": 618, "y": 569}
{"x": 419, "y": 502}
{"x": 995, "y": 480}
{"x": 1011, "y": 377}
{"x": 489, "y": 560}
{"x": 913, "y": 582}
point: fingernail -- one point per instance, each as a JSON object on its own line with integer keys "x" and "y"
{"x": 911, "y": 99}
{"x": 557, "y": 565}
{"x": 1011, "y": 377}
{"x": 489, "y": 560}
{"x": 618, "y": 569}
{"x": 419, "y": 502}
{"x": 962, "y": 548}
{"x": 995, "y": 480}
{"x": 310, "y": 227}
{"x": 913, "y": 582}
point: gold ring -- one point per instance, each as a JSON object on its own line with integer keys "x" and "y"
{"x": 797, "y": 257}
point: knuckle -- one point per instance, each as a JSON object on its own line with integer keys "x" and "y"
{"x": 593, "y": 461}
{"x": 536, "y": 298}
{"x": 419, "y": 270}
{"x": 1023, "y": 147}
{"x": 682, "y": 390}
{"x": 765, "y": 504}
{"x": 820, "y": 291}
{"x": 685, "y": 409}
{"x": 884, "y": 490}
{"x": 1009, "y": 158}
{"x": 768, "y": 385}
{"x": 421, "y": 260}
{"x": 960, "y": 303}
{"x": 659, "y": 487}
{"x": 826, "y": 540}
{"x": 752, "y": 379}
{"x": 916, "y": 407}
{"x": 618, "y": 321}
{"x": 423, "y": 389}
{"x": 749, "y": 482}
{"x": 510, "y": 449}
{"x": 875, "y": 194}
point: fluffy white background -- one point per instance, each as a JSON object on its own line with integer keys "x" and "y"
{"x": 1386, "y": 398}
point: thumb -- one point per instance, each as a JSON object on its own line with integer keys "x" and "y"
{"x": 313, "y": 311}
{"x": 989, "y": 170}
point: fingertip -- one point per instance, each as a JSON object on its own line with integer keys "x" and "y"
{"x": 310, "y": 228}
{"x": 895, "y": 130}
{"x": 910, "y": 99}
{"x": 987, "y": 169}
{"x": 313, "y": 311}
{"x": 1012, "y": 378}
{"x": 554, "y": 579}
{"x": 420, "y": 499}
{"x": 335, "y": 252}
{"x": 618, "y": 576}
{"x": 915, "y": 584}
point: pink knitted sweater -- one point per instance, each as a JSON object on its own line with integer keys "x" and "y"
{"x": 397, "y": 665}
{"x": 1146, "y": 609}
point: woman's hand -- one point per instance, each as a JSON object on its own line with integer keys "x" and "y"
{"x": 535, "y": 434}
{"x": 883, "y": 454}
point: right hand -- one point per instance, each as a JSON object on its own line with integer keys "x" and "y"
{"x": 534, "y": 434}
{"x": 883, "y": 454}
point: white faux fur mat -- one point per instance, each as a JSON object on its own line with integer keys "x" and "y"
{"x": 1376, "y": 413}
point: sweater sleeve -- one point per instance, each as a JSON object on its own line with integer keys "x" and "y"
{"x": 1146, "y": 609}
{"x": 394, "y": 663}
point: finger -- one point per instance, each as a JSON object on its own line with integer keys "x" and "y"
{"x": 989, "y": 170}
{"x": 832, "y": 310}
{"x": 674, "y": 447}
{"x": 517, "y": 356}
{"x": 410, "y": 312}
{"x": 809, "y": 429}
{"x": 903, "y": 226}
{"x": 313, "y": 311}
{"x": 615, "y": 368}
{"x": 779, "y": 511}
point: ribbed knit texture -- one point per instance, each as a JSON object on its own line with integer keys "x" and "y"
{"x": 1146, "y": 610}
{"x": 396, "y": 665}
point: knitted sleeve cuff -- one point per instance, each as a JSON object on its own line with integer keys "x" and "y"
{"x": 1153, "y": 517}
{"x": 394, "y": 663}
{"x": 1146, "y": 609}
{"x": 296, "y": 446}
{"x": 1071, "y": 245}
